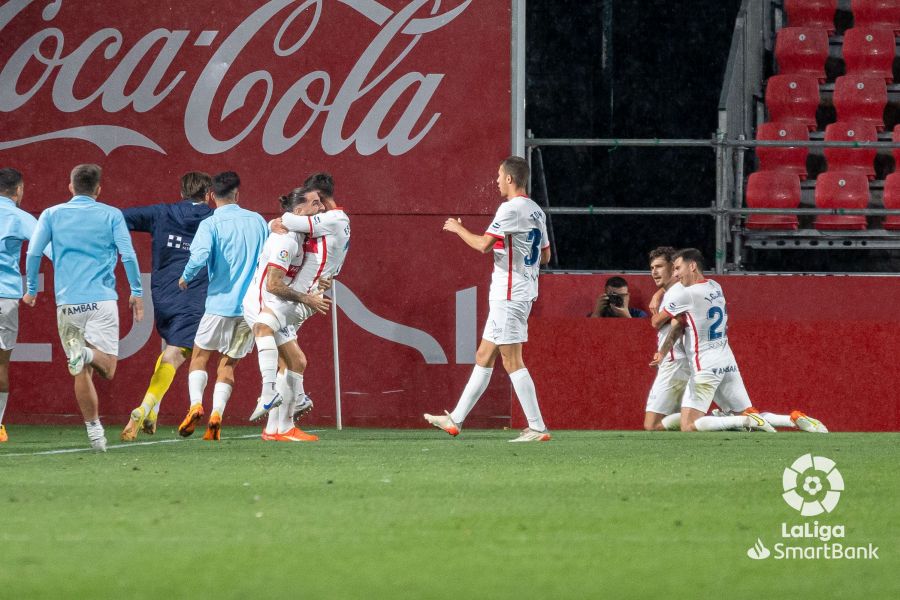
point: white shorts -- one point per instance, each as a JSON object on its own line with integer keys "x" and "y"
{"x": 99, "y": 321}
{"x": 507, "y": 321}
{"x": 290, "y": 316}
{"x": 724, "y": 386}
{"x": 9, "y": 323}
{"x": 669, "y": 387}
{"x": 230, "y": 336}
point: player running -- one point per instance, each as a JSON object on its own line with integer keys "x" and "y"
{"x": 16, "y": 227}
{"x": 228, "y": 244}
{"x": 172, "y": 228}
{"x": 518, "y": 237}
{"x": 86, "y": 236}
{"x": 324, "y": 251}
{"x": 276, "y": 304}
{"x": 698, "y": 310}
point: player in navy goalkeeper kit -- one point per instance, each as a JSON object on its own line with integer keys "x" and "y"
{"x": 172, "y": 227}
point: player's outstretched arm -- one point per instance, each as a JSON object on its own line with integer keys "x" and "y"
{"x": 200, "y": 248}
{"x": 482, "y": 243}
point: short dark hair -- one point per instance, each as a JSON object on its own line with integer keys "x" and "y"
{"x": 517, "y": 169}
{"x": 666, "y": 252}
{"x": 10, "y": 180}
{"x": 321, "y": 182}
{"x": 616, "y": 282}
{"x": 85, "y": 179}
{"x": 225, "y": 184}
{"x": 692, "y": 255}
{"x": 296, "y": 196}
{"x": 195, "y": 184}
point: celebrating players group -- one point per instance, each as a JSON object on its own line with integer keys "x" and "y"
{"x": 223, "y": 281}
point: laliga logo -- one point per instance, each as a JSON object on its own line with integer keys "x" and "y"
{"x": 811, "y": 473}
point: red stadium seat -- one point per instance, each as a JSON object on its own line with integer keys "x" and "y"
{"x": 870, "y": 53}
{"x": 861, "y": 160}
{"x": 793, "y": 98}
{"x": 802, "y": 51}
{"x": 841, "y": 189}
{"x": 789, "y": 159}
{"x": 861, "y": 99}
{"x": 773, "y": 189}
{"x": 883, "y": 14}
{"x": 811, "y": 13}
{"x": 892, "y": 199}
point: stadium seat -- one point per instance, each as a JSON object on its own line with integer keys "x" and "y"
{"x": 789, "y": 159}
{"x": 793, "y": 98}
{"x": 861, "y": 160}
{"x": 811, "y": 13}
{"x": 802, "y": 51}
{"x": 773, "y": 189}
{"x": 883, "y": 14}
{"x": 870, "y": 53}
{"x": 841, "y": 189}
{"x": 892, "y": 199}
{"x": 861, "y": 99}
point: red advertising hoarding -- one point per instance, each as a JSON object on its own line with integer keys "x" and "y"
{"x": 406, "y": 103}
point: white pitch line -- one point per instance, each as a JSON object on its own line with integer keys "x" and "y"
{"x": 129, "y": 445}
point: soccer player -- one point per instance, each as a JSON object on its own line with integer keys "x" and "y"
{"x": 324, "y": 251}
{"x": 172, "y": 228}
{"x": 518, "y": 237}
{"x": 673, "y": 372}
{"x": 699, "y": 311}
{"x": 86, "y": 235}
{"x": 16, "y": 227}
{"x": 281, "y": 297}
{"x": 228, "y": 244}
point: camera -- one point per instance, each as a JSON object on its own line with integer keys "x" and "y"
{"x": 616, "y": 300}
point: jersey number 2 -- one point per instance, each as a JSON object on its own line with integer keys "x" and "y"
{"x": 717, "y": 313}
{"x": 534, "y": 237}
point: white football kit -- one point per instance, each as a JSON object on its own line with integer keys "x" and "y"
{"x": 714, "y": 373}
{"x": 323, "y": 251}
{"x": 520, "y": 228}
{"x": 284, "y": 253}
{"x": 673, "y": 374}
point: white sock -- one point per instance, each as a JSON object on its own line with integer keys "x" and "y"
{"x": 94, "y": 430}
{"x": 527, "y": 395}
{"x": 4, "y": 397}
{"x": 672, "y": 422}
{"x": 721, "y": 423}
{"x": 196, "y": 385}
{"x": 294, "y": 383}
{"x": 221, "y": 394}
{"x": 778, "y": 420}
{"x": 478, "y": 382}
{"x": 267, "y": 354}
{"x": 275, "y": 413}
{"x": 88, "y": 355}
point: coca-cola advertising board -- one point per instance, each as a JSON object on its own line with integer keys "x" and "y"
{"x": 407, "y": 104}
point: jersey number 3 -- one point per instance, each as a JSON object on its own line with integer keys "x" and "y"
{"x": 534, "y": 238}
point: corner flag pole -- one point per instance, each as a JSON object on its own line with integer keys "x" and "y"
{"x": 337, "y": 363}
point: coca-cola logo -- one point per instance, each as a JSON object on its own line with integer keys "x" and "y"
{"x": 314, "y": 97}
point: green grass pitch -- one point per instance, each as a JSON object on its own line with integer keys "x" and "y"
{"x": 416, "y": 514}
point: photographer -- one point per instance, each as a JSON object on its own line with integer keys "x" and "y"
{"x": 614, "y": 301}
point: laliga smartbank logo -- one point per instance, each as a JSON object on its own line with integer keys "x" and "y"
{"x": 812, "y": 486}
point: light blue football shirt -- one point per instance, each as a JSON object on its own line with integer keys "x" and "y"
{"x": 16, "y": 227}
{"x": 86, "y": 237}
{"x": 229, "y": 244}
